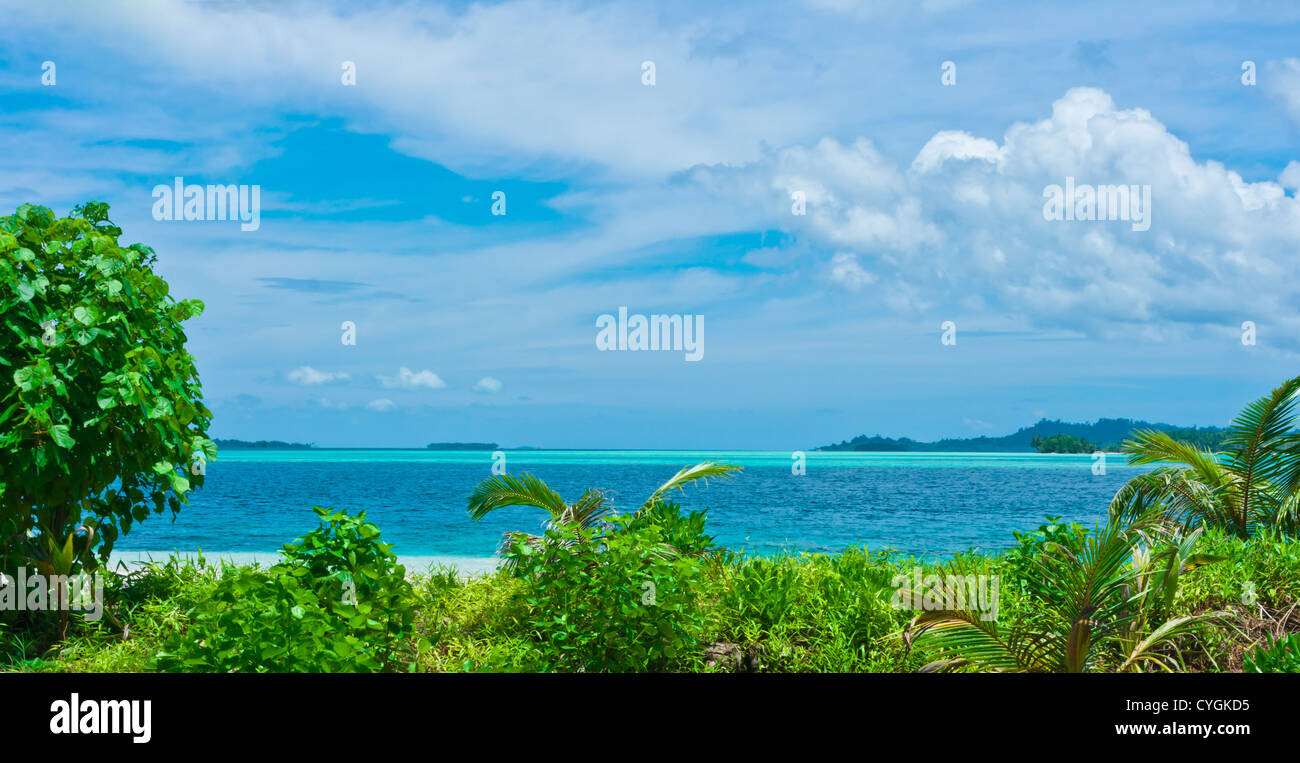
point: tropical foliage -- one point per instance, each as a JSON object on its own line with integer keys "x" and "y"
{"x": 1101, "y": 602}
{"x": 1252, "y": 485}
{"x": 103, "y": 422}
{"x": 589, "y": 512}
{"x": 337, "y": 603}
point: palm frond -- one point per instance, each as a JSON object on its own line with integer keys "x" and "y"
{"x": 1167, "y": 631}
{"x": 701, "y": 471}
{"x": 1260, "y": 436}
{"x": 587, "y": 512}
{"x": 961, "y": 637}
{"x": 508, "y": 490}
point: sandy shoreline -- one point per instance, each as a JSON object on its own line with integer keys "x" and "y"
{"x": 413, "y": 564}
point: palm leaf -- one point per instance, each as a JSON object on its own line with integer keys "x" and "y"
{"x": 701, "y": 471}
{"x": 507, "y": 490}
{"x": 1260, "y": 436}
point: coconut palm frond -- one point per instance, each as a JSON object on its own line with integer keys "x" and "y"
{"x": 587, "y": 512}
{"x": 1088, "y": 581}
{"x": 1151, "y": 447}
{"x": 1266, "y": 423}
{"x": 507, "y": 490}
{"x": 1259, "y": 436}
{"x": 1141, "y": 496}
{"x": 960, "y": 637}
{"x": 1170, "y": 629}
{"x": 701, "y": 471}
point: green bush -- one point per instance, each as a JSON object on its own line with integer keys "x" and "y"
{"x": 1280, "y": 655}
{"x": 619, "y": 600}
{"x": 103, "y": 422}
{"x": 338, "y": 603}
{"x": 684, "y": 532}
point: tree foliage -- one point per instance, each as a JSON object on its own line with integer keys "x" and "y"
{"x": 101, "y": 414}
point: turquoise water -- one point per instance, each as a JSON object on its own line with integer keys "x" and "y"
{"x": 923, "y": 503}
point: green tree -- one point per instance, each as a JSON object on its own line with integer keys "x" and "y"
{"x": 1252, "y": 484}
{"x": 101, "y": 416}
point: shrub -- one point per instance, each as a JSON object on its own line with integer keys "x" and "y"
{"x": 612, "y": 601}
{"x": 339, "y": 602}
{"x": 684, "y": 532}
{"x": 1281, "y": 655}
{"x": 103, "y": 421}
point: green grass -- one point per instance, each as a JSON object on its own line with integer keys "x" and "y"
{"x": 788, "y": 613}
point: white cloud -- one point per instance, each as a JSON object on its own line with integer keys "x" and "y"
{"x": 488, "y": 384}
{"x": 408, "y": 379}
{"x": 847, "y": 271}
{"x": 546, "y": 103}
{"x": 308, "y": 376}
{"x": 381, "y": 405}
{"x": 1290, "y": 176}
{"x": 954, "y": 144}
{"x": 966, "y": 218}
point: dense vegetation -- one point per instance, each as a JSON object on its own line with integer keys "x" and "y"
{"x": 1062, "y": 443}
{"x": 1108, "y": 433}
{"x": 261, "y": 445}
{"x": 1197, "y": 568}
{"x": 713, "y": 612}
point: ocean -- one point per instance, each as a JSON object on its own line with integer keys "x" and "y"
{"x": 920, "y": 503}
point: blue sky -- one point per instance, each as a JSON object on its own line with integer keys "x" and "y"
{"x": 923, "y": 205}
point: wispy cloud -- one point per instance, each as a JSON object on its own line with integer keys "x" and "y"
{"x": 408, "y": 379}
{"x": 308, "y": 376}
{"x": 488, "y": 384}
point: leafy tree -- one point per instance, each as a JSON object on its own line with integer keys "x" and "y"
{"x": 101, "y": 417}
{"x": 1251, "y": 485}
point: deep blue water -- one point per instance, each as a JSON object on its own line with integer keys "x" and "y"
{"x": 920, "y": 503}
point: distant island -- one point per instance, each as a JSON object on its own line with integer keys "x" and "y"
{"x": 1062, "y": 443}
{"x": 261, "y": 445}
{"x": 461, "y": 446}
{"x": 1047, "y": 436}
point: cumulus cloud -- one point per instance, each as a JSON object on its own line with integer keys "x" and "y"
{"x": 488, "y": 384}
{"x": 1290, "y": 176}
{"x": 308, "y": 376}
{"x": 967, "y": 217}
{"x": 381, "y": 405}
{"x": 408, "y": 379}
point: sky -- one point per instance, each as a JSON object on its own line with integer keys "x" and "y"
{"x": 850, "y": 197}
